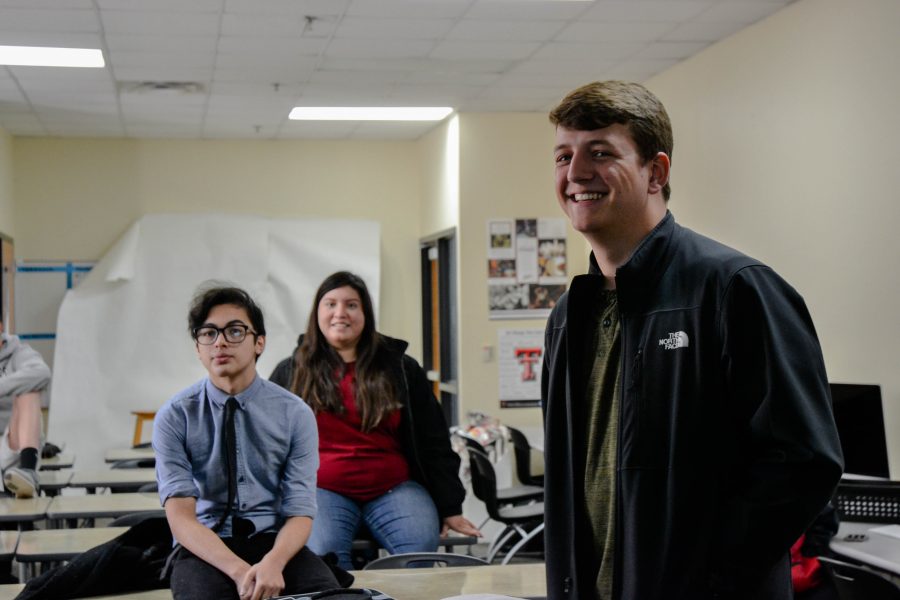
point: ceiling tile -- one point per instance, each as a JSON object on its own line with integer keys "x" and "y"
{"x": 45, "y": 20}
{"x": 517, "y": 31}
{"x": 702, "y": 32}
{"x": 647, "y": 11}
{"x": 52, "y": 39}
{"x": 669, "y": 50}
{"x": 740, "y": 11}
{"x": 511, "y": 10}
{"x": 160, "y": 23}
{"x": 585, "y": 52}
{"x": 319, "y": 8}
{"x": 473, "y": 50}
{"x": 587, "y": 31}
{"x": 404, "y": 29}
{"x": 194, "y": 6}
{"x": 381, "y": 49}
{"x": 409, "y": 9}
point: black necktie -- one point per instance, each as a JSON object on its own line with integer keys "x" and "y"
{"x": 231, "y": 406}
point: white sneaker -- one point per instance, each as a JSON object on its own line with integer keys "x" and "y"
{"x": 22, "y": 482}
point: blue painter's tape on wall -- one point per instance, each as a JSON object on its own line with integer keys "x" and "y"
{"x": 37, "y": 336}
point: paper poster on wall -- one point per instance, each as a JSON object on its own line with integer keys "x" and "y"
{"x": 520, "y": 360}
{"x": 526, "y": 267}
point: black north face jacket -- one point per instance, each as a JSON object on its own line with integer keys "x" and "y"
{"x": 727, "y": 447}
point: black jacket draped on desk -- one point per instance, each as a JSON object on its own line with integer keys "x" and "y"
{"x": 727, "y": 446}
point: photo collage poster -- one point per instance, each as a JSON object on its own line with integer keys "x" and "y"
{"x": 526, "y": 267}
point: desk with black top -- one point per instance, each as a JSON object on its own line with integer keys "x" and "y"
{"x": 119, "y": 454}
{"x": 60, "y": 461}
{"x": 44, "y": 546}
{"x": 23, "y": 511}
{"x": 120, "y": 479}
{"x": 72, "y": 508}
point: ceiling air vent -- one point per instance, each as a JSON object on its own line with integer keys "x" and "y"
{"x": 168, "y": 87}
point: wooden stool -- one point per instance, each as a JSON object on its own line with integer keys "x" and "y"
{"x": 139, "y": 417}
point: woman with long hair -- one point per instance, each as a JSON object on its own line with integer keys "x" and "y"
{"x": 386, "y": 463}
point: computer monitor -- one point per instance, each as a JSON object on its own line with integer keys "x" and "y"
{"x": 860, "y": 425}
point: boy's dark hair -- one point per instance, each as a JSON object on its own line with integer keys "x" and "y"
{"x": 604, "y": 103}
{"x": 208, "y": 298}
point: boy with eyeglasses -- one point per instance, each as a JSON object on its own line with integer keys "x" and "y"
{"x": 240, "y": 499}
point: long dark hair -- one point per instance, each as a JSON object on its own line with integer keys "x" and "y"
{"x": 316, "y": 362}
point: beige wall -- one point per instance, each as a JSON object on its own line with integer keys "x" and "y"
{"x": 439, "y": 165}
{"x": 785, "y": 139}
{"x": 506, "y": 171}
{"x": 7, "y": 207}
{"x": 74, "y": 197}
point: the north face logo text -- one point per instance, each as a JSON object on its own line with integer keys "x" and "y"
{"x": 677, "y": 339}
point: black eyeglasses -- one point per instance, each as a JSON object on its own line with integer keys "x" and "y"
{"x": 234, "y": 333}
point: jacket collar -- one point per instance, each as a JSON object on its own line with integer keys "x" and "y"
{"x": 395, "y": 345}
{"x": 639, "y": 275}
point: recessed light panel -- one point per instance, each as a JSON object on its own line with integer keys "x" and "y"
{"x": 369, "y": 113}
{"x": 36, "y": 56}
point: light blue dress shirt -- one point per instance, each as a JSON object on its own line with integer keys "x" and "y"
{"x": 277, "y": 454}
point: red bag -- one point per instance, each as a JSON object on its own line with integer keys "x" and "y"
{"x": 805, "y": 570}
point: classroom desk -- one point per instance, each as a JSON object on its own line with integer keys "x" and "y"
{"x": 60, "y": 461}
{"x": 8, "y": 541}
{"x": 53, "y": 481}
{"x": 10, "y": 590}
{"x": 44, "y": 545}
{"x": 118, "y": 454}
{"x": 121, "y": 479}
{"x": 521, "y": 580}
{"x": 71, "y": 508}
{"x": 54, "y": 545}
{"x": 24, "y": 511}
{"x": 877, "y": 550}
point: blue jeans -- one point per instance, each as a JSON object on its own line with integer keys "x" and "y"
{"x": 402, "y": 520}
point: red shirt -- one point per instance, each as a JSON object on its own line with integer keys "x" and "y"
{"x": 359, "y": 465}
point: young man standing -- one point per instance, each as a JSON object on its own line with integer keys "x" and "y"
{"x": 236, "y": 463}
{"x": 24, "y": 376}
{"x": 689, "y": 434}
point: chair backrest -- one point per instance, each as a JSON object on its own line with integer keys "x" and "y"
{"x": 522, "y": 451}
{"x": 484, "y": 482}
{"x": 854, "y": 582}
{"x": 425, "y": 559}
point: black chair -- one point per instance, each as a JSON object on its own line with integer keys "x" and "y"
{"x": 425, "y": 559}
{"x": 854, "y": 582}
{"x": 516, "y": 494}
{"x": 522, "y": 451}
{"x": 523, "y": 522}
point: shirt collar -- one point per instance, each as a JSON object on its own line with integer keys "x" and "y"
{"x": 219, "y": 397}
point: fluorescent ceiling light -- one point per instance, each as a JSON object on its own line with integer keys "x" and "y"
{"x": 369, "y": 113}
{"x": 34, "y": 56}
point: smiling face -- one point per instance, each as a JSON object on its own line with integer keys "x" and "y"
{"x": 608, "y": 191}
{"x": 341, "y": 320}
{"x": 231, "y": 367}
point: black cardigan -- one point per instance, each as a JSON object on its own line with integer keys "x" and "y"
{"x": 423, "y": 429}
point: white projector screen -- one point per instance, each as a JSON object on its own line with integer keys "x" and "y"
{"x": 122, "y": 337}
